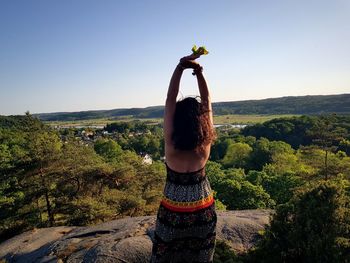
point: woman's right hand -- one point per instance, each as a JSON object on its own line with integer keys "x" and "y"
{"x": 190, "y": 57}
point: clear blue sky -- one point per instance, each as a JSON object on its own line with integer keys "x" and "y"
{"x": 84, "y": 55}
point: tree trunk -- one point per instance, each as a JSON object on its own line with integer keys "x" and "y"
{"x": 47, "y": 199}
{"x": 101, "y": 188}
{"x": 40, "y": 214}
{"x": 326, "y": 165}
{"x": 49, "y": 210}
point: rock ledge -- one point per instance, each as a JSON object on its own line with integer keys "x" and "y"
{"x": 123, "y": 240}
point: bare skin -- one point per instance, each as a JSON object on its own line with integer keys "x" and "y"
{"x": 178, "y": 160}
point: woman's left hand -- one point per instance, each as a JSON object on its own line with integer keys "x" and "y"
{"x": 189, "y": 62}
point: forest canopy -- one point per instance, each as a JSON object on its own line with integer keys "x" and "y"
{"x": 52, "y": 177}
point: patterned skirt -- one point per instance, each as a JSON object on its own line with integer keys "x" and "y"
{"x": 186, "y": 220}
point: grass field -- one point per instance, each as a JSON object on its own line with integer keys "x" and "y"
{"x": 246, "y": 119}
{"x": 97, "y": 122}
{"x": 222, "y": 119}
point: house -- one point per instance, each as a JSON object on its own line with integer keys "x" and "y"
{"x": 147, "y": 159}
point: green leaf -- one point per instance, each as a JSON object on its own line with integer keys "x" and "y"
{"x": 194, "y": 49}
{"x": 199, "y": 51}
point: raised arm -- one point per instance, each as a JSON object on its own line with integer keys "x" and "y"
{"x": 170, "y": 105}
{"x": 204, "y": 92}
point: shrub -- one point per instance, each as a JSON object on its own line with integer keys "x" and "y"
{"x": 314, "y": 226}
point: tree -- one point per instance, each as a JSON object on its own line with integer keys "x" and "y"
{"x": 215, "y": 173}
{"x": 326, "y": 135}
{"x": 313, "y": 227}
{"x": 290, "y": 130}
{"x": 266, "y": 152}
{"x": 237, "y": 155}
{"x": 44, "y": 149}
{"x": 235, "y": 192}
{"x": 219, "y": 149}
{"x": 108, "y": 149}
{"x": 120, "y": 127}
{"x": 280, "y": 187}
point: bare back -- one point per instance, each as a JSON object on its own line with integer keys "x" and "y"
{"x": 184, "y": 160}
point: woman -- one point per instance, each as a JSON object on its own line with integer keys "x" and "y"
{"x": 186, "y": 219}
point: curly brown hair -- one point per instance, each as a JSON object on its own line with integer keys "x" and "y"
{"x": 192, "y": 127}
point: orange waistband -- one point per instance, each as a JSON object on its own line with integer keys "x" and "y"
{"x": 188, "y": 206}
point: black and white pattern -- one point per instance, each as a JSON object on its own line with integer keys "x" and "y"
{"x": 187, "y": 193}
{"x": 185, "y": 236}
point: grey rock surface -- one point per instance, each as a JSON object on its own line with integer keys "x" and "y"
{"x": 124, "y": 240}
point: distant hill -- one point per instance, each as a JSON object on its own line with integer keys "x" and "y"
{"x": 318, "y": 104}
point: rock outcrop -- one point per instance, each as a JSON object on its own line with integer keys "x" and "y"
{"x": 124, "y": 240}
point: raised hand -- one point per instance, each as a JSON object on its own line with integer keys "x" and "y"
{"x": 189, "y": 62}
{"x": 190, "y": 57}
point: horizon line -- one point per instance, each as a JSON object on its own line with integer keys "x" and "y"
{"x": 126, "y": 108}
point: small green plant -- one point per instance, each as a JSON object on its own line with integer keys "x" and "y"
{"x": 224, "y": 253}
{"x": 199, "y": 51}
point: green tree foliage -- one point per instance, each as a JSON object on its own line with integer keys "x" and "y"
{"x": 234, "y": 191}
{"x": 224, "y": 253}
{"x": 46, "y": 181}
{"x": 313, "y": 227}
{"x": 139, "y": 137}
{"x": 291, "y": 130}
{"x": 50, "y": 177}
{"x": 265, "y": 152}
{"x": 344, "y": 145}
{"x": 30, "y": 150}
{"x": 326, "y": 135}
{"x": 108, "y": 149}
{"x": 215, "y": 173}
{"x": 313, "y": 162}
{"x": 120, "y": 127}
{"x": 303, "y": 130}
{"x": 237, "y": 155}
{"x": 126, "y": 127}
{"x": 219, "y": 148}
{"x": 279, "y": 186}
